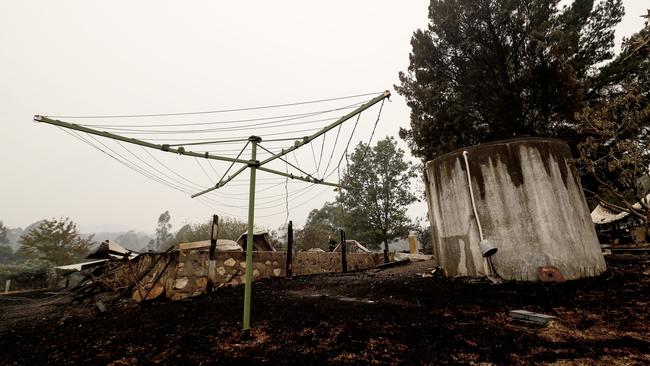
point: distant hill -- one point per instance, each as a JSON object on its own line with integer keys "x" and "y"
{"x": 14, "y": 234}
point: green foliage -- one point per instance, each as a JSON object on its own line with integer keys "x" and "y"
{"x": 229, "y": 228}
{"x": 378, "y": 182}
{"x": 193, "y": 232}
{"x": 615, "y": 151}
{"x": 164, "y": 236}
{"x": 32, "y": 273}
{"x": 485, "y": 70}
{"x": 313, "y": 236}
{"x": 4, "y": 239}
{"x": 373, "y": 207}
{"x": 614, "y": 155}
{"x": 423, "y": 231}
{"x": 631, "y": 66}
{"x": 328, "y": 217}
{"x": 321, "y": 225}
{"x": 56, "y": 240}
{"x": 279, "y": 237}
{"x": 7, "y": 255}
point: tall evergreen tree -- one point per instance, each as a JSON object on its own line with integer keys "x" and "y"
{"x": 492, "y": 69}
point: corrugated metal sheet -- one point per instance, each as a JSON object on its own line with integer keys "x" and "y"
{"x": 80, "y": 266}
{"x": 604, "y": 215}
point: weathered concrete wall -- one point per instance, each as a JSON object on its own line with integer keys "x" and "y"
{"x": 530, "y": 204}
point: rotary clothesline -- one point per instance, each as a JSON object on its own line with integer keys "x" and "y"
{"x": 253, "y": 164}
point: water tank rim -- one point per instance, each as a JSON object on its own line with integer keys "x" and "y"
{"x": 495, "y": 142}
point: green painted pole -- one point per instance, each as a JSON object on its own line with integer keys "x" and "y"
{"x": 305, "y": 140}
{"x": 298, "y": 177}
{"x": 219, "y": 185}
{"x": 308, "y": 139}
{"x": 249, "y": 235}
{"x": 164, "y": 147}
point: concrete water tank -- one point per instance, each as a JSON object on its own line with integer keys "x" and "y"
{"x": 530, "y": 206}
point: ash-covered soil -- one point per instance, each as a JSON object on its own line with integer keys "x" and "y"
{"x": 395, "y": 316}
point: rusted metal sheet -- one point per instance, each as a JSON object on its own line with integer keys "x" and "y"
{"x": 549, "y": 274}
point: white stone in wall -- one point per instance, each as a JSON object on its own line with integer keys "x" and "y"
{"x": 181, "y": 282}
{"x": 229, "y": 262}
{"x": 221, "y": 271}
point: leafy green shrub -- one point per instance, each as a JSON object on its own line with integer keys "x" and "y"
{"x": 32, "y": 273}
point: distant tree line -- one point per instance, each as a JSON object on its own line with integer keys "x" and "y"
{"x": 165, "y": 238}
{"x": 49, "y": 243}
{"x": 57, "y": 241}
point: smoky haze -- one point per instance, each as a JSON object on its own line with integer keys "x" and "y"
{"x": 105, "y": 58}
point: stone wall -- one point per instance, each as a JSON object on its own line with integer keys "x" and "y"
{"x": 187, "y": 273}
{"x": 305, "y": 263}
{"x": 193, "y": 270}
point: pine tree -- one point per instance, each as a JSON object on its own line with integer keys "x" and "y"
{"x": 485, "y": 70}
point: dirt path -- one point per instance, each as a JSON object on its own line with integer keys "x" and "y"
{"x": 391, "y": 317}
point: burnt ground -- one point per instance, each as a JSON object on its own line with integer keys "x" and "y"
{"x": 395, "y": 316}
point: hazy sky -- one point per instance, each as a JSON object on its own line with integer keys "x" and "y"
{"x": 104, "y": 58}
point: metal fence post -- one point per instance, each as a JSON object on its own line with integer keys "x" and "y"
{"x": 212, "y": 271}
{"x": 386, "y": 260}
{"x": 289, "y": 248}
{"x": 344, "y": 249}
